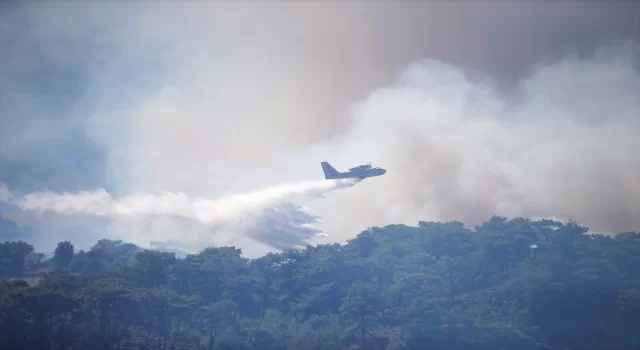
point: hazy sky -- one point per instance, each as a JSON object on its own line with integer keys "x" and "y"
{"x": 530, "y": 107}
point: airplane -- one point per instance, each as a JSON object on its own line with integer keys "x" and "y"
{"x": 359, "y": 172}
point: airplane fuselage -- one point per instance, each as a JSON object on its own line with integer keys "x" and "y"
{"x": 361, "y": 172}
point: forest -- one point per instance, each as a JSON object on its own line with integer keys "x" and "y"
{"x": 505, "y": 284}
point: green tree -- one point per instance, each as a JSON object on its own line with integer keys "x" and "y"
{"x": 13, "y": 256}
{"x": 63, "y": 255}
{"x": 508, "y": 284}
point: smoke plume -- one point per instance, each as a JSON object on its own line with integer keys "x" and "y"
{"x": 174, "y": 108}
{"x": 566, "y": 143}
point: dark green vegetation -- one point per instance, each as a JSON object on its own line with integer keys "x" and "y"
{"x": 63, "y": 254}
{"x": 509, "y": 284}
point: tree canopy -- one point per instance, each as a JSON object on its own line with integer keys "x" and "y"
{"x": 63, "y": 254}
{"x": 507, "y": 284}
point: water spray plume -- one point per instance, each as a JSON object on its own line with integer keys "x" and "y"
{"x": 267, "y": 212}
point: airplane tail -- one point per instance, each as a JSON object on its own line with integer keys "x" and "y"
{"x": 329, "y": 171}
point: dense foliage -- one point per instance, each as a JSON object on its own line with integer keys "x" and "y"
{"x": 63, "y": 255}
{"x": 508, "y": 284}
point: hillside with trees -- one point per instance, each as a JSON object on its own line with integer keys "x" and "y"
{"x": 507, "y": 284}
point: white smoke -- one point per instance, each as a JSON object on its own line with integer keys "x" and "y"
{"x": 565, "y": 143}
{"x": 270, "y": 215}
{"x": 207, "y": 101}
